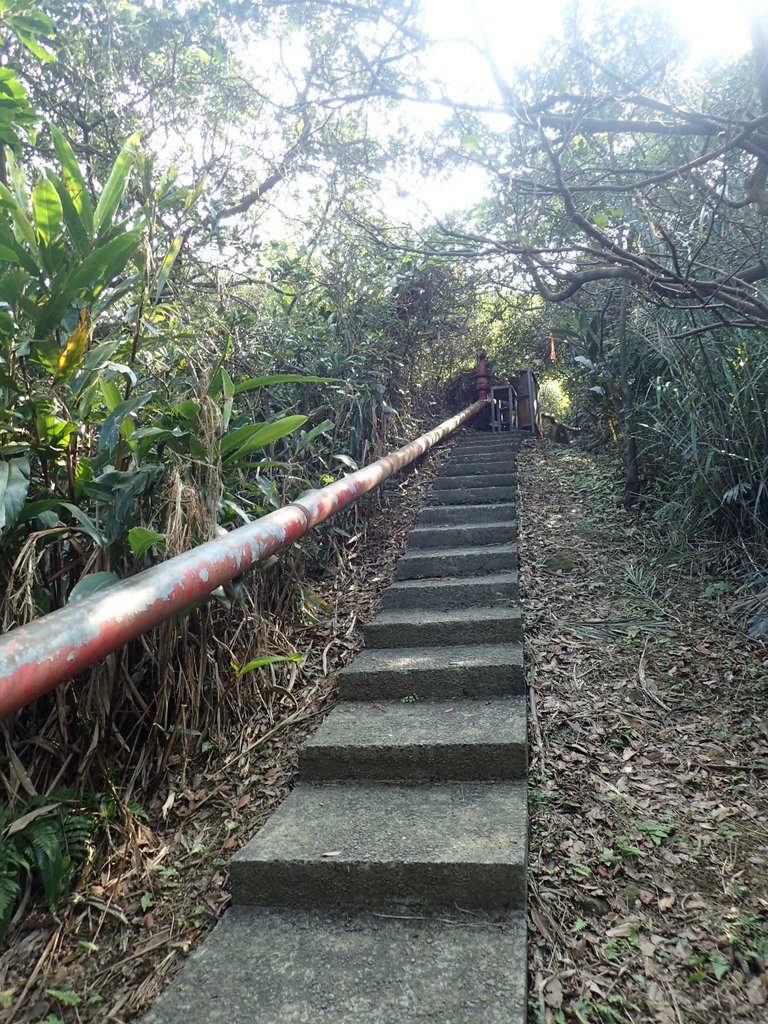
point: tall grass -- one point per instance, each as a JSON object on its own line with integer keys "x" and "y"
{"x": 703, "y": 425}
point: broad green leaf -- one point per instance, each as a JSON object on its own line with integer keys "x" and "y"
{"x": 110, "y": 432}
{"x": 86, "y": 523}
{"x": 95, "y": 272}
{"x": 74, "y": 180}
{"x": 310, "y": 436}
{"x": 19, "y": 214}
{"x": 228, "y": 390}
{"x": 238, "y": 436}
{"x": 187, "y": 410}
{"x": 141, "y": 540}
{"x": 106, "y": 262}
{"x": 54, "y": 430}
{"x": 22, "y": 255}
{"x": 111, "y": 393}
{"x": 270, "y": 433}
{"x": 92, "y": 584}
{"x": 280, "y": 378}
{"x": 267, "y": 659}
{"x": 75, "y": 227}
{"x": 115, "y": 186}
{"x": 167, "y": 266}
{"x": 14, "y": 487}
{"x": 719, "y": 964}
{"x": 35, "y": 48}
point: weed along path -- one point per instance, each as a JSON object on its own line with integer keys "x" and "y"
{"x": 648, "y": 888}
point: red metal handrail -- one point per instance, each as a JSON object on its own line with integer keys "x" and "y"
{"x": 36, "y": 658}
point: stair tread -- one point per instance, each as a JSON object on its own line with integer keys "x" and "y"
{"x": 413, "y": 659}
{"x": 494, "y": 588}
{"x": 425, "y": 616}
{"x": 455, "y": 515}
{"x": 459, "y": 551}
{"x": 467, "y": 495}
{"x": 446, "y": 529}
{"x": 342, "y": 968}
{"x": 426, "y": 724}
{"x": 388, "y": 844}
{"x": 472, "y": 467}
{"x": 452, "y": 481}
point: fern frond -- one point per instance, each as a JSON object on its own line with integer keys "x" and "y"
{"x": 10, "y": 888}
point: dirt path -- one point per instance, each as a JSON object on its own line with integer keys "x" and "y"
{"x": 146, "y": 902}
{"x": 649, "y": 751}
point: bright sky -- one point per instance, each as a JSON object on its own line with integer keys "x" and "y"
{"x": 516, "y": 30}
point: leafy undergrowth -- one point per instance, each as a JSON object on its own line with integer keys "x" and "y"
{"x": 649, "y": 752}
{"x": 142, "y": 906}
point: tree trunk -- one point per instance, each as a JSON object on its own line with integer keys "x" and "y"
{"x": 632, "y": 474}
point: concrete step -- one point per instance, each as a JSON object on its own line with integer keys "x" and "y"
{"x": 437, "y": 515}
{"x": 476, "y": 495}
{"x": 463, "y": 740}
{"x": 434, "y": 673}
{"x": 452, "y": 483}
{"x": 469, "y": 455}
{"x": 480, "y": 454}
{"x": 489, "y": 443}
{"x": 486, "y": 437}
{"x": 444, "y": 628}
{"x": 433, "y": 563}
{"x": 300, "y": 966}
{"x": 462, "y": 535}
{"x": 473, "y": 467}
{"x": 464, "y": 592}
{"x": 379, "y": 845}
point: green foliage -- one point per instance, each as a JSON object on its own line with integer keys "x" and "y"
{"x": 162, "y": 377}
{"x": 267, "y": 659}
{"x": 42, "y": 845}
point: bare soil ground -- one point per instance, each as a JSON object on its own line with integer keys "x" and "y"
{"x": 149, "y": 898}
{"x": 649, "y": 761}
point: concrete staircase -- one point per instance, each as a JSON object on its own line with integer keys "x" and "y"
{"x": 390, "y": 885}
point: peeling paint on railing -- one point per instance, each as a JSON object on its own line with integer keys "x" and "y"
{"x": 36, "y": 658}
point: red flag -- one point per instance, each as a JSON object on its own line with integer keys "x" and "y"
{"x": 552, "y": 351}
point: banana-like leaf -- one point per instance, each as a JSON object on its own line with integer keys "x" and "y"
{"x": 117, "y": 417}
{"x": 91, "y": 584}
{"x": 98, "y": 269}
{"x": 115, "y": 186}
{"x": 47, "y": 211}
{"x": 232, "y": 441}
{"x": 310, "y": 436}
{"x": 74, "y": 224}
{"x": 74, "y": 180}
{"x": 167, "y": 266}
{"x": 280, "y": 378}
{"x": 14, "y": 487}
{"x": 268, "y": 434}
{"x": 19, "y": 214}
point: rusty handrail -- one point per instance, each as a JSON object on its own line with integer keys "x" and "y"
{"x": 35, "y": 658}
